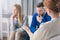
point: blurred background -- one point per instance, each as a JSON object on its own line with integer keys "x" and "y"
{"x": 28, "y": 8}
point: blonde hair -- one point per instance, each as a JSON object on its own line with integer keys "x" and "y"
{"x": 18, "y": 7}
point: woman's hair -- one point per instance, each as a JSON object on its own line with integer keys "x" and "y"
{"x": 53, "y": 5}
{"x": 18, "y": 7}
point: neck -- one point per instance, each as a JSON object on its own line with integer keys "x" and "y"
{"x": 55, "y": 15}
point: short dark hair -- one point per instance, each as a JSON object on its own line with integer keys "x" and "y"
{"x": 40, "y": 4}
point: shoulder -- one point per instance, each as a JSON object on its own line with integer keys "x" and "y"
{"x": 35, "y": 14}
{"x": 46, "y": 15}
{"x": 46, "y": 25}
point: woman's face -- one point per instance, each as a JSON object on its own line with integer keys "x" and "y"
{"x": 48, "y": 11}
{"x": 14, "y": 10}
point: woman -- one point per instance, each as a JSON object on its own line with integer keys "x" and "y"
{"x": 16, "y": 20}
{"x": 49, "y": 29}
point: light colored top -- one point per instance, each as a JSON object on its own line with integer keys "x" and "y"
{"x": 47, "y": 30}
{"x": 14, "y": 24}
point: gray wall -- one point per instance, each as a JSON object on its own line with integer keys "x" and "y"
{"x": 28, "y": 6}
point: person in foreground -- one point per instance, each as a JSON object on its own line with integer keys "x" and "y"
{"x": 49, "y": 29}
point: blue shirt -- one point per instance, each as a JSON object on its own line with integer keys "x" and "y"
{"x": 35, "y": 23}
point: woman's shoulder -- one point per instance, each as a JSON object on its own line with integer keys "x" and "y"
{"x": 46, "y": 24}
{"x": 51, "y": 24}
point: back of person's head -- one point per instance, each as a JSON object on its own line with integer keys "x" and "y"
{"x": 40, "y": 4}
{"x": 53, "y": 5}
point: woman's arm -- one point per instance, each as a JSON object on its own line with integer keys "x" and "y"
{"x": 27, "y": 30}
{"x": 11, "y": 24}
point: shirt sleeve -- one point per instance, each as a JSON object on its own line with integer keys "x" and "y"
{"x": 33, "y": 24}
